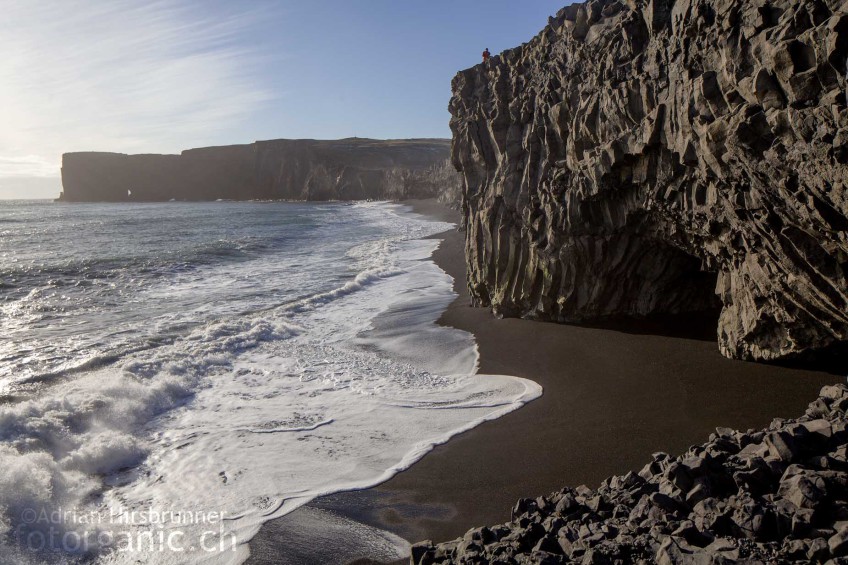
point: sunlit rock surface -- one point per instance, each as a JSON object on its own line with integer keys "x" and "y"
{"x": 641, "y": 157}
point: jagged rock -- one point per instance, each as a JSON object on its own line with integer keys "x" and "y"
{"x": 549, "y": 544}
{"x": 421, "y": 552}
{"x": 791, "y": 512}
{"x": 676, "y": 551}
{"x": 838, "y": 543}
{"x": 305, "y": 169}
{"x": 656, "y": 156}
{"x": 781, "y": 445}
{"x": 818, "y": 551}
{"x": 805, "y": 489}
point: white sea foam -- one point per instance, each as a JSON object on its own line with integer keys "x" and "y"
{"x": 254, "y": 415}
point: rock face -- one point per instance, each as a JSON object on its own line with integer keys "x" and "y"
{"x": 778, "y": 495}
{"x": 662, "y": 156}
{"x": 347, "y": 169}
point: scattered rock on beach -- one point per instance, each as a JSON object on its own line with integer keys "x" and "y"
{"x": 778, "y": 495}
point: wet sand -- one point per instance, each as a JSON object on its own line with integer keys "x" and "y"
{"x": 612, "y": 396}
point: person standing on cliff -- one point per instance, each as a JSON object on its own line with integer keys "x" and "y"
{"x": 486, "y": 55}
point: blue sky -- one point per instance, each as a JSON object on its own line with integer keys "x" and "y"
{"x": 138, "y": 76}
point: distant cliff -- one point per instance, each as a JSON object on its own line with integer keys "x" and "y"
{"x": 347, "y": 169}
{"x": 662, "y": 156}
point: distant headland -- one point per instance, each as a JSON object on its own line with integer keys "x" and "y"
{"x": 280, "y": 169}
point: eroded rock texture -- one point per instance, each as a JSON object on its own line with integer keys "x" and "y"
{"x": 661, "y": 156}
{"x": 346, "y": 169}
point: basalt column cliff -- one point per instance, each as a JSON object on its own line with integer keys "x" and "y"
{"x": 302, "y": 169}
{"x": 664, "y": 156}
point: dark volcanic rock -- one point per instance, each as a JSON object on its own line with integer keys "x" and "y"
{"x": 790, "y": 508}
{"x": 347, "y": 169}
{"x": 662, "y": 156}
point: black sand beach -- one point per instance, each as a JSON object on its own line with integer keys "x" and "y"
{"x": 611, "y": 398}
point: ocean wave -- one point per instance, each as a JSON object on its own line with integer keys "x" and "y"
{"x": 55, "y": 444}
{"x": 255, "y": 407}
{"x": 69, "y": 272}
{"x": 275, "y": 426}
{"x": 209, "y": 348}
{"x": 359, "y": 282}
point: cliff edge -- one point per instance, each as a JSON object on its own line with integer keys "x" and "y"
{"x": 282, "y": 169}
{"x": 660, "y": 156}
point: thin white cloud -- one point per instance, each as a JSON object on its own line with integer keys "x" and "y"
{"x": 121, "y": 75}
{"x": 27, "y": 166}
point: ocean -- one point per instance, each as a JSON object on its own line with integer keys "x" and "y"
{"x": 174, "y": 375}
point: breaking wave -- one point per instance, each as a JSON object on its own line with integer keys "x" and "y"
{"x": 244, "y": 389}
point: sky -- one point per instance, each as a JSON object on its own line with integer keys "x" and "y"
{"x": 136, "y": 76}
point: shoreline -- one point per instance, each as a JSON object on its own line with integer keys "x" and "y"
{"x": 612, "y": 397}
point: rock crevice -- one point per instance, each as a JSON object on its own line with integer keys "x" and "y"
{"x": 661, "y": 156}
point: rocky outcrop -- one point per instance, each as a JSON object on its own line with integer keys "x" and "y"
{"x": 347, "y": 169}
{"x": 778, "y": 495}
{"x": 665, "y": 156}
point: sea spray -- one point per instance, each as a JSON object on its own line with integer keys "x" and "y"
{"x": 242, "y": 389}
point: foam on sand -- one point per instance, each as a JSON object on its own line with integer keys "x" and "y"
{"x": 249, "y": 417}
